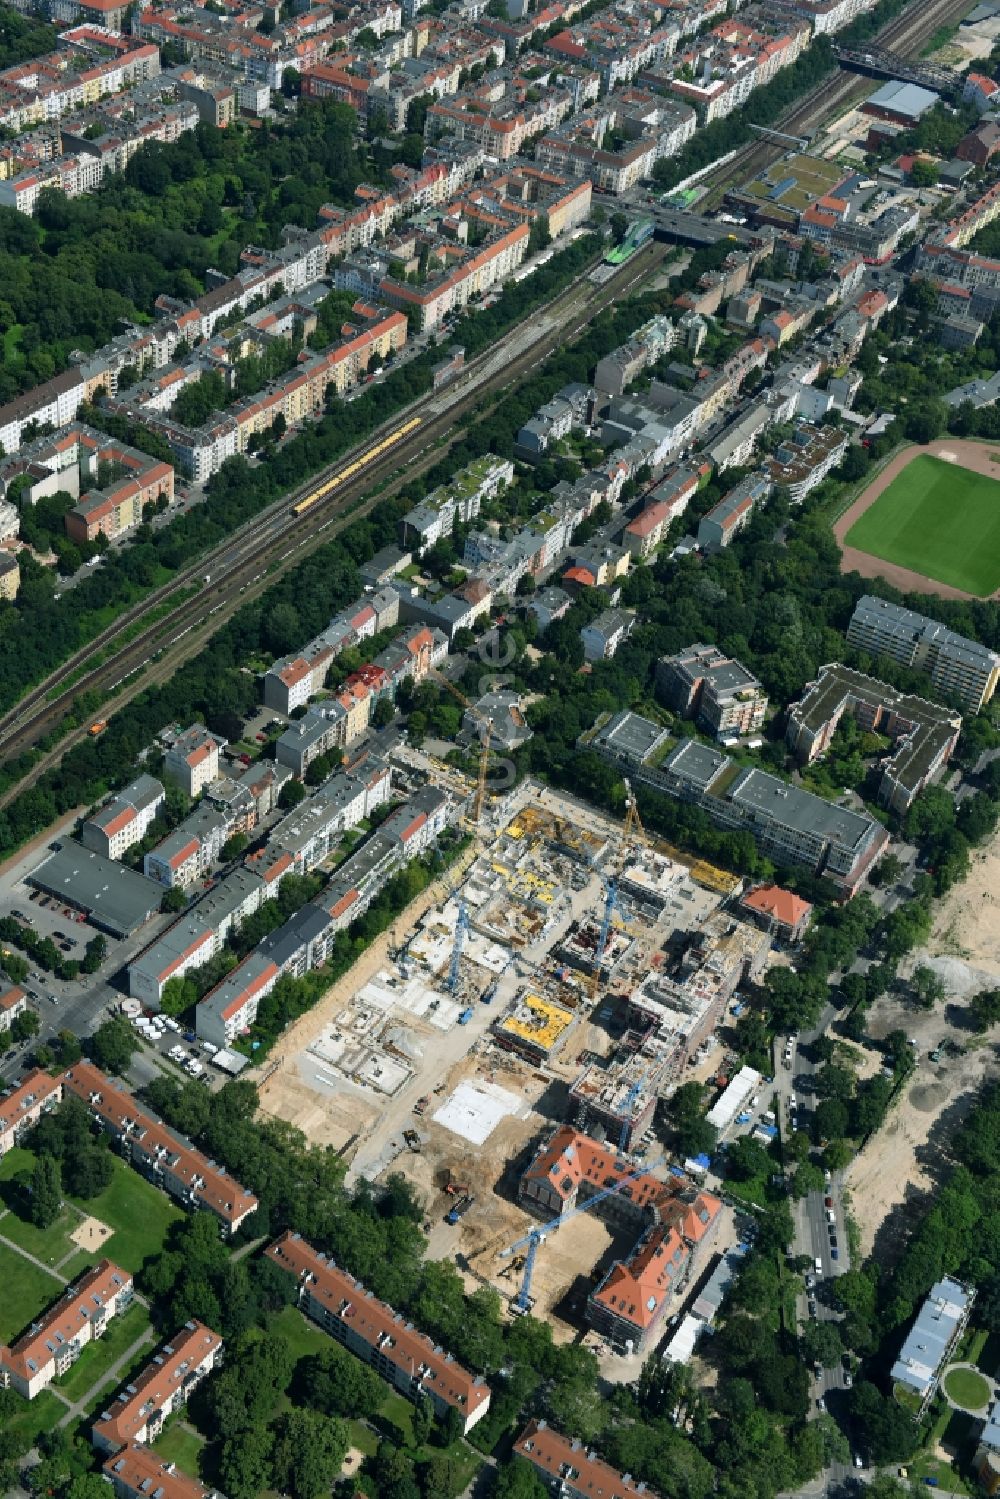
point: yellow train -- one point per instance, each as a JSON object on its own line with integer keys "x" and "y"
{"x": 343, "y": 475}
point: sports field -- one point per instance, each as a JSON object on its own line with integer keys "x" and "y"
{"x": 938, "y": 519}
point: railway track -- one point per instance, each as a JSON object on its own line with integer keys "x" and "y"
{"x": 246, "y": 565}
{"x": 905, "y": 33}
{"x": 264, "y": 529}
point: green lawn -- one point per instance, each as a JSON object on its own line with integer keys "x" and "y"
{"x": 181, "y": 1445}
{"x": 941, "y": 520}
{"x": 14, "y": 1162}
{"x": 27, "y": 1290}
{"x": 967, "y": 1388}
{"x": 140, "y": 1214}
{"x": 302, "y": 1335}
{"x": 97, "y": 1358}
{"x": 361, "y": 1436}
{"x": 50, "y": 1245}
{"x": 35, "y": 1416}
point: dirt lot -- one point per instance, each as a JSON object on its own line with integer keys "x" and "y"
{"x": 285, "y": 1094}
{"x": 971, "y": 455}
{"x": 898, "y": 1166}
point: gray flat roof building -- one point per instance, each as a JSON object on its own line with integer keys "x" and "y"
{"x": 629, "y": 738}
{"x": 115, "y": 899}
{"x": 959, "y": 668}
{"x": 932, "y": 1337}
{"x": 924, "y": 733}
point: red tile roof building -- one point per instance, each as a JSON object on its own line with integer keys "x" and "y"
{"x": 23, "y": 1108}
{"x": 770, "y": 905}
{"x": 570, "y": 1470}
{"x": 157, "y": 1152}
{"x": 631, "y": 1301}
{"x": 54, "y": 1343}
{"x": 139, "y": 1473}
{"x": 13, "y": 1002}
{"x": 139, "y": 1410}
{"x": 406, "y": 1358}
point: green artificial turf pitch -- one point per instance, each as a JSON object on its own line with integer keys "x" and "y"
{"x": 940, "y": 520}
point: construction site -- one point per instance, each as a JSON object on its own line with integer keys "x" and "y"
{"x": 566, "y": 978}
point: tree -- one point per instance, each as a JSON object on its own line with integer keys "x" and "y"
{"x": 821, "y": 1343}
{"x": 384, "y": 712}
{"x": 923, "y": 173}
{"x": 308, "y": 1453}
{"x": 888, "y": 1433}
{"x": 338, "y": 1384}
{"x": 25, "y": 1026}
{"x": 984, "y": 1009}
{"x": 88, "y": 1171}
{"x": 928, "y": 987}
{"x": 808, "y": 1178}
{"x": 234, "y": 846}
{"x": 693, "y": 1135}
{"x": 746, "y": 1159}
{"x": 518, "y": 1480}
{"x": 173, "y": 901}
{"x": 291, "y": 793}
{"x": 46, "y": 1192}
{"x": 887, "y": 871}
{"x": 113, "y": 1045}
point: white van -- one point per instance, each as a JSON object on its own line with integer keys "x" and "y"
{"x": 819, "y": 1265}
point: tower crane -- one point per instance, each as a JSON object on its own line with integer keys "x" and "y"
{"x": 630, "y": 1098}
{"x": 461, "y": 927}
{"x": 632, "y": 833}
{"x": 537, "y": 1236}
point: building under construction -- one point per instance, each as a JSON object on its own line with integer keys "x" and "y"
{"x": 580, "y": 946}
{"x": 535, "y": 1027}
{"x": 617, "y": 1099}
{"x": 683, "y": 1008}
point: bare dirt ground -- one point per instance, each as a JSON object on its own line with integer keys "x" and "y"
{"x": 285, "y": 1094}
{"x": 91, "y": 1234}
{"x": 976, "y": 456}
{"x": 899, "y": 1165}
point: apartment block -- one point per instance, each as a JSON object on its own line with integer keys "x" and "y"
{"x": 616, "y": 371}
{"x": 924, "y": 734}
{"x": 162, "y": 1156}
{"x": 458, "y": 500}
{"x": 570, "y": 1470}
{"x": 138, "y": 1472}
{"x": 21, "y": 1110}
{"x": 380, "y": 1337}
{"x": 733, "y": 512}
{"x": 231, "y": 1007}
{"x": 125, "y": 820}
{"x": 139, "y": 1410}
{"x": 192, "y": 761}
{"x": 54, "y": 1342}
{"x": 605, "y": 633}
{"x": 959, "y": 668}
{"x": 705, "y": 684}
{"x": 188, "y": 853}
{"x": 13, "y": 1002}
{"x": 805, "y": 459}
{"x": 789, "y": 823}
{"x": 290, "y": 682}
{"x": 932, "y": 1337}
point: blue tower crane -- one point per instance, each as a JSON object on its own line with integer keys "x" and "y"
{"x": 537, "y": 1236}
{"x": 461, "y": 927}
{"x": 610, "y": 905}
{"x": 630, "y": 1098}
